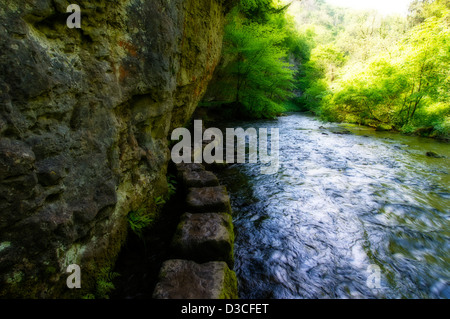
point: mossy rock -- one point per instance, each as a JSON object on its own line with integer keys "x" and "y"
{"x": 383, "y": 128}
{"x": 208, "y": 199}
{"x": 184, "y": 279}
{"x": 205, "y": 237}
{"x": 434, "y": 155}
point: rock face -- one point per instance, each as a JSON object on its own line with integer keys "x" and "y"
{"x": 84, "y": 119}
{"x": 182, "y": 279}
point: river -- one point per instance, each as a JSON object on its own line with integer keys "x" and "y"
{"x": 360, "y": 215}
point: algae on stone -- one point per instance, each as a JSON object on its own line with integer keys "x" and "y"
{"x": 183, "y": 279}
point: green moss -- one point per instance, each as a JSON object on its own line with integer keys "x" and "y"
{"x": 50, "y": 270}
{"x": 384, "y": 127}
{"x": 230, "y": 287}
{"x": 5, "y": 245}
{"x": 94, "y": 265}
{"x": 15, "y": 278}
{"x": 25, "y": 289}
{"x": 230, "y": 229}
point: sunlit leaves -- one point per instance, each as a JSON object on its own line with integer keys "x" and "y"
{"x": 407, "y": 86}
{"x": 258, "y": 63}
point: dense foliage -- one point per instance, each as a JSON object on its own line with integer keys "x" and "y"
{"x": 390, "y": 72}
{"x": 387, "y": 72}
{"x": 257, "y": 76}
{"x": 258, "y": 65}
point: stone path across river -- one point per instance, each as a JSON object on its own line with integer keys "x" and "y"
{"x": 203, "y": 241}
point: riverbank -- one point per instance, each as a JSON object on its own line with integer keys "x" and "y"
{"x": 212, "y": 113}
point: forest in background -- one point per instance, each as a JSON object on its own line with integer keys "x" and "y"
{"x": 388, "y": 72}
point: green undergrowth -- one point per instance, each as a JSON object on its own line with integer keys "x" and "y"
{"x": 104, "y": 284}
{"x": 142, "y": 219}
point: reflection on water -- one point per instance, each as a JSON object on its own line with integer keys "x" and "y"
{"x": 340, "y": 203}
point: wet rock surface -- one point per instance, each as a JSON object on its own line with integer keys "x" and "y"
{"x": 189, "y": 167}
{"x": 208, "y": 199}
{"x": 198, "y": 179}
{"x": 183, "y": 279}
{"x": 205, "y": 237}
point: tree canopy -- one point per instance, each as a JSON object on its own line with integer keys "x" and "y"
{"x": 258, "y": 70}
{"x": 389, "y": 72}
{"x": 343, "y": 65}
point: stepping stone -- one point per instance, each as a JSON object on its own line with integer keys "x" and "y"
{"x": 208, "y": 199}
{"x": 188, "y": 167}
{"x": 199, "y": 179}
{"x": 194, "y": 167}
{"x": 216, "y": 166}
{"x": 205, "y": 237}
{"x": 183, "y": 279}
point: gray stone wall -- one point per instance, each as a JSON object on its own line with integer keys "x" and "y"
{"x": 84, "y": 119}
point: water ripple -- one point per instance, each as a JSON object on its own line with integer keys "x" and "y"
{"x": 339, "y": 204}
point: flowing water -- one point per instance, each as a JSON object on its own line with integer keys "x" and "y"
{"x": 342, "y": 209}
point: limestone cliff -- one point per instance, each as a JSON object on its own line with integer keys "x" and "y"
{"x": 84, "y": 120}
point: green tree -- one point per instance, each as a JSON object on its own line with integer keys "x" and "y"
{"x": 425, "y": 59}
{"x": 255, "y": 77}
{"x": 258, "y": 64}
{"x": 407, "y": 88}
{"x": 420, "y": 10}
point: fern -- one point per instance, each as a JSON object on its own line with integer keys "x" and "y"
{"x": 139, "y": 221}
{"x": 105, "y": 283}
{"x": 172, "y": 184}
{"x": 160, "y": 201}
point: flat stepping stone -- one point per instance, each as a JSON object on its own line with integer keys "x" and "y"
{"x": 196, "y": 179}
{"x": 216, "y": 166}
{"x": 205, "y": 237}
{"x": 188, "y": 167}
{"x": 183, "y": 279}
{"x": 183, "y": 167}
{"x": 208, "y": 199}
